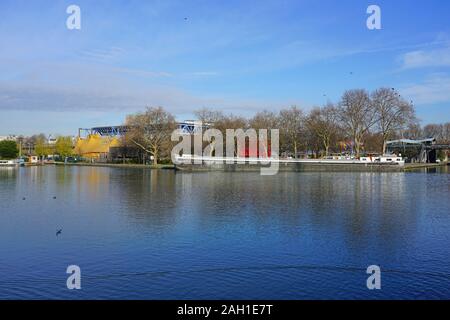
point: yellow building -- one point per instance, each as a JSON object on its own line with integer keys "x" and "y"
{"x": 95, "y": 146}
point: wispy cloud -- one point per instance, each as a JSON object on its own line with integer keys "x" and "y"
{"x": 47, "y": 98}
{"x": 435, "y": 89}
{"x": 128, "y": 99}
{"x": 426, "y": 58}
{"x": 102, "y": 54}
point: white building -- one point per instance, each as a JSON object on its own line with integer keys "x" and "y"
{"x": 8, "y": 138}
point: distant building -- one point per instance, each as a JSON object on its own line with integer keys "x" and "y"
{"x": 95, "y": 146}
{"x": 104, "y": 144}
{"x": 192, "y": 126}
{"x": 51, "y": 140}
{"x": 8, "y": 138}
{"x": 424, "y": 151}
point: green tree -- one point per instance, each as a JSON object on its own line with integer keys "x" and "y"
{"x": 8, "y": 149}
{"x": 41, "y": 147}
{"x": 64, "y": 146}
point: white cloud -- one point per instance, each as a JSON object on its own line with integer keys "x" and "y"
{"x": 128, "y": 99}
{"x": 88, "y": 87}
{"x": 103, "y": 54}
{"x": 57, "y": 98}
{"x": 435, "y": 89}
{"x": 423, "y": 58}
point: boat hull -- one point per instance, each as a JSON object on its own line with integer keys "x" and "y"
{"x": 293, "y": 167}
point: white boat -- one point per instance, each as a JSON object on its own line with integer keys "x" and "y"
{"x": 385, "y": 159}
{"x": 8, "y": 163}
{"x": 376, "y": 160}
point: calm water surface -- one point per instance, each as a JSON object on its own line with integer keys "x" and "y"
{"x": 147, "y": 234}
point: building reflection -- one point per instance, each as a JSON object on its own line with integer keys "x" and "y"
{"x": 353, "y": 210}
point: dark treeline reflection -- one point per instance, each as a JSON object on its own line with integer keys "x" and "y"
{"x": 358, "y": 204}
{"x": 361, "y": 205}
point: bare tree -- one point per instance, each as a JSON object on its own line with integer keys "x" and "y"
{"x": 357, "y": 116}
{"x": 208, "y": 116}
{"x": 413, "y": 131}
{"x": 323, "y": 123}
{"x": 373, "y": 142}
{"x": 392, "y": 112}
{"x": 433, "y": 131}
{"x": 151, "y": 131}
{"x": 446, "y": 132}
{"x": 446, "y": 137}
{"x": 264, "y": 120}
{"x": 291, "y": 122}
{"x": 230, "y": 122}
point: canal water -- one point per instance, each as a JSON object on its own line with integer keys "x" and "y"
{"x": 146, "y": 234}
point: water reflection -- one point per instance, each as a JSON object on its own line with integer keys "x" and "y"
{"x": 132, "y": 220}
{"x": 7, "y": 172}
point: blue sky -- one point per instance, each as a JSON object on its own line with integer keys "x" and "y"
{"x": 236, "y": 56}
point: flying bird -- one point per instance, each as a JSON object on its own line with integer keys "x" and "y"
{"x": 58, "y": 232}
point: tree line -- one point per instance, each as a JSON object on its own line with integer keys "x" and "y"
{"x": 38, "y": 145}
{"x": 360, "y": 122}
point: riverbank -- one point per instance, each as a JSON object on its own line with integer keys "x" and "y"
{"x": 414, "y": 166}
{"x": 313, "y": 167}
{"x": 293, "y": 167}
{"x": 119, "y": 165}
{"x": 296, "y": 167}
